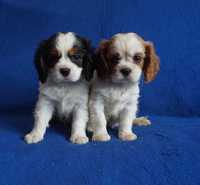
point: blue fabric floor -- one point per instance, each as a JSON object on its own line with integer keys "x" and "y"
{"x": 165, "y": 153}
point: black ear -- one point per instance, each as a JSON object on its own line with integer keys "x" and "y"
{"x": 88, "y": 66}
{"x": 39, "y": 62}
{"x": 88, "y": 59}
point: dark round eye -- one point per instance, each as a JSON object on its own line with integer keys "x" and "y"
{"x": 53, "y": 57}
{"x": 115, "y": 58}
{"x": 77, "y": 57}
{"x": 137, "y": 58}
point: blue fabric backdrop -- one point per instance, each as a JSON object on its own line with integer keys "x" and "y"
{"x": 165, "y": 153}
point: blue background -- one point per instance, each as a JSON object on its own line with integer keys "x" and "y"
{"x": 165, "y": 153}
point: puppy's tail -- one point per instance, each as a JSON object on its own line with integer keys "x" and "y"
{"x": 142, "y": 121}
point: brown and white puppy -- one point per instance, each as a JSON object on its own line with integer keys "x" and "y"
{"x": 64, "y": 65}
{"x": 120, "y": 63}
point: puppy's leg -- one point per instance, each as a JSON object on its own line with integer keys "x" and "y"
{"x": 80, "y": 119}
{"x": 125, "y": 125}
{"x": 89, "y": 126}
{"x": 43, "y": 113}
{"x": 98, "y": 121}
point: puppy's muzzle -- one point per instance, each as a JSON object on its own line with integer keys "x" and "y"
{"x": 125, "y": 71}
{"x": 65, "y": 71}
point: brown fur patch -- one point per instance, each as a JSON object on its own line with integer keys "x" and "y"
{"x": 105, "y": 66}
{"x": 72, "y": 51}
{"x": 151, "y": 62}
{"x": 102, "y": 54}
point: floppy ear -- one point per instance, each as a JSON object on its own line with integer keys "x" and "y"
{"x": 39, "y": 62}
{"x": 88, "y": 62}
{"x": 101, "y": 64}
{"x": 88, "y": 66}
{"x": 151, "y": 62}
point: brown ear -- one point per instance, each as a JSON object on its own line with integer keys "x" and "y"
{"x": 39, "y": 62}
{"x": 151, "y": 62}
{"x": 102, "y": 66}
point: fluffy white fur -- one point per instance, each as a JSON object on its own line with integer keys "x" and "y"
{"x": 116, "y": 103}
{"x": 116, "y": 99}
{"x": 65, "y": 96}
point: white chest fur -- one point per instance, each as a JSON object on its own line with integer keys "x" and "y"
{"x": 66, "y": 97}
{"x": 115, "y": 97}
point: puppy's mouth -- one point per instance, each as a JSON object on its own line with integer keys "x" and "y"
{"x": 71, "y": 79}
{"x": 70, "y": 75}
{"x": 123, "y": 79}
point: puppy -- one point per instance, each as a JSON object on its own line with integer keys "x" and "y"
{"x": 64, "y": 65}
{"x": 120, "y": 63}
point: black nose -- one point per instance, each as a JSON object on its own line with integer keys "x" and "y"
{"x": 65, "y": 71}
{"x": 125, "y": 71}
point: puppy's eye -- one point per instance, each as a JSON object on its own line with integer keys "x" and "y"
{"x": 115, "y": 58}
{"x": 53, "y": 57}
{"x": 137, "y": 58}
{"x": 76, "y": 57}
{"x": 54, "y": 52}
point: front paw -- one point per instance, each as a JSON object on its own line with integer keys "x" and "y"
{"x": 101, "y": 137}
{"x": 33, "y": 137}
{"x": 127, "y": 136}
{"x": 77, "y": 139}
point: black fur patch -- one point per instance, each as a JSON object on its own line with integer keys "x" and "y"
{"x": 42, "y": 57}
{"x": 88, "y": 57}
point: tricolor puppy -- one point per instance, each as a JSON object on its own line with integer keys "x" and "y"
{"x": 120, "y": 63}
{"x": 64, "y": 65}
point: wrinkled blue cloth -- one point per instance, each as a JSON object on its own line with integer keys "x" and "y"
{"x": 166, "y": 153}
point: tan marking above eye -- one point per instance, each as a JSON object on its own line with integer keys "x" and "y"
{"x": 73, "y": 51}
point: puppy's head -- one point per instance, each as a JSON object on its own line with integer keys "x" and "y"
{"x": 64, "y": 57}
{"x": 124, "y": 57}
